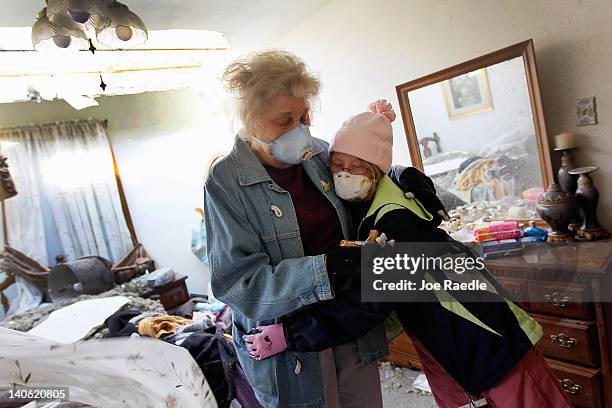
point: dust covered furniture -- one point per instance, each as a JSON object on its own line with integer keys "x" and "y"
{"x": 171, "y": 294}
{"x": 13, "y": 264}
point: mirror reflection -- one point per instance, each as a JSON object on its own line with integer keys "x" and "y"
{"x": 477, "y": 138}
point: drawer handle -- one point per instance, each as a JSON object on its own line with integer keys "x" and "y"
{"x": 563, "y": 340}
{"x": 571, "y": 387}
{"x": 556, "y": 300}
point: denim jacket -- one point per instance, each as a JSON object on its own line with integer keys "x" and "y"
{"x": 259, "y": 269}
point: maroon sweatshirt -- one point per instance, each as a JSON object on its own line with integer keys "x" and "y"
{"x": 320, "y": 228}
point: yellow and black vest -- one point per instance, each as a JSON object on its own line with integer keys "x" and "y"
{"x": 472, "y": 317}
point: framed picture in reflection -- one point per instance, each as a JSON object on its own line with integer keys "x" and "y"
{"x": 467, "y": 94}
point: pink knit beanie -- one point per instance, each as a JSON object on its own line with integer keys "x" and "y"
{"x": 368, "y": 135}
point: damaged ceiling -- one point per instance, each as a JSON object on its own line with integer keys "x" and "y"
{"x": 246, "y": 24}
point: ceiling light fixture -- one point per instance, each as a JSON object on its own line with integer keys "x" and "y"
{"x": 125, "y": 28}
{"x": 49, "y": 36}
{"x": 87, "y": 14}
{"x": 67, "y": 22}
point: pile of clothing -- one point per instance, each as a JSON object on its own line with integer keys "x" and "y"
{"x": 202, "y": 328}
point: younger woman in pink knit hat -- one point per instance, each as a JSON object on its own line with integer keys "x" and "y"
{"x": 470, "y": 350}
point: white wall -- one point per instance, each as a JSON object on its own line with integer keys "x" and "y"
{"x": 162, "y": 142}
{"x": 363, "y": 49}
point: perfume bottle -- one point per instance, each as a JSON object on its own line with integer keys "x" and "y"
{"x": 538, "y": 234}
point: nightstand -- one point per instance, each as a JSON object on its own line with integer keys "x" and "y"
{"x": 171, "y": 294}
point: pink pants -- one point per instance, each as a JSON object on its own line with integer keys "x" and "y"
{"x": 530, "y": 384}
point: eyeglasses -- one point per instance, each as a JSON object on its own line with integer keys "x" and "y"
{"x": 354, "y": 169}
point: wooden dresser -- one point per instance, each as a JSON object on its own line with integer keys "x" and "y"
{"x": 577, "y": 340}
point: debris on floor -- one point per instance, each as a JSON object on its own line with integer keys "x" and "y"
{"x": 421, "y": 384}
{"x": 403, "y": 387}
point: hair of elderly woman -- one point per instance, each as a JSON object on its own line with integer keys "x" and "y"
{"x": 257, "y": 77}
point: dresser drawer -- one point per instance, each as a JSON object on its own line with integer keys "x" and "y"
{"x": 569, "y": 340}
{"x": 517, "y": 288}
{"x": 582, "y": 384}
{"x": 571, "y": 300}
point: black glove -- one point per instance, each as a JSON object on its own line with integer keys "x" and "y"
{"x": 412, "y": 180}
{"x": 343, "y": 267}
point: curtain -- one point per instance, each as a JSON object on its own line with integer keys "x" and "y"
{"x": 66, "y": 184}
{"x": 78, "y": 176}
{"x": 24, "y": 215}
{"x": 24, "y": 211}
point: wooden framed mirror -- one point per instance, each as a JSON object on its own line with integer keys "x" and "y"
{"x": 478, "y": 130}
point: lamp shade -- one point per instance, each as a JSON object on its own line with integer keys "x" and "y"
{"x": 124, "y": 29}
{"x": 564, "y": 141}
{"x": 50, "y": 36}
{"x": 86, "y": 14}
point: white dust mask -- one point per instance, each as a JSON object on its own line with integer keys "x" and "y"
{"x": 292, "y": 147}
{"x": 352, "y": 187}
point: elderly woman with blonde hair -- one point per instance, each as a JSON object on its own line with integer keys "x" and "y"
{"x": 273, "y": 227}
